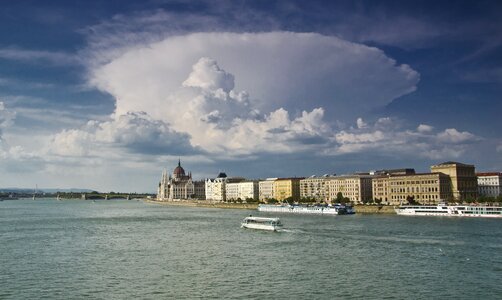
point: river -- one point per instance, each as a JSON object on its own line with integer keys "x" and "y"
{"x": 121, "y": 249}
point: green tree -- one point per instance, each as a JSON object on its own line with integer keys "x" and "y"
{"x": 288, "y": 200}
{"x": 272, "y": 201}
{"x": 411, "y": 200}
{"x": 339, "y": 197}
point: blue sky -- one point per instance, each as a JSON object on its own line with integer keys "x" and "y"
{"x": 105, "y": 94}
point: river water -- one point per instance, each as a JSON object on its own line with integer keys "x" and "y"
{"x": 130, "y": 249}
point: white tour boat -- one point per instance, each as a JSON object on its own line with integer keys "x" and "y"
{"x": 336, "y": 209}
{"x": 450, "y": 210}
{"x": 261, "y": 223}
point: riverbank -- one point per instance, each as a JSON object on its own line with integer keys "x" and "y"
{"x": 207, "y": 204}
{"x": 362, "y": 209}
{"x": 374, "y": 209}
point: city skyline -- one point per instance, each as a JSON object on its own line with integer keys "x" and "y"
{"x": 93, "y": 95}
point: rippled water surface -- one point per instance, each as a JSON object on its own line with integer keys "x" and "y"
{"x": 130, "y": 249}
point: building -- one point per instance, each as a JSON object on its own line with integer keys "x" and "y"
{"x": 266, "y": 189}
{"x": 380, "y": 189}
{"x": 314, "y": 187}
{"x": 216, "y": 188}
{"x": 176, "y": 187}
{"x": 424, "y": 188}
{"x": 287, "y": 188}
{"x": 241, "y": 190}
{"x": 357, "y": 188}
{"x": 463, "y": 180}
{"x": 199, "y": 190}
{"x": 489, "y": 184}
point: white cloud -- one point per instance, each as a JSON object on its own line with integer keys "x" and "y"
{"x": 55, "y": 58}
{"x": 207, "y": 111}
{"x": 206, "y": 74}
{"x": 280, "y": 69}
{"x": 423, "y": 128}
{"x": 133, "y": 132}
{"x": 451, "y": 135}
{"x": 393, "y": 139}
{"x": 6, "y": 117}
{"x": 361, "y": 123}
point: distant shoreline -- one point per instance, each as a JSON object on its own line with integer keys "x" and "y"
{"x": 360, "y": 209}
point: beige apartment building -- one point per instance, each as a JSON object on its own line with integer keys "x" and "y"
{"x": 357, "y": 188}
{"x": 463, "y": 180}
{"x": 425, "y": 188}
{"x": 314, "y": 187}
{"x": 266, "y": 189}
{"x": 241, "y": 190}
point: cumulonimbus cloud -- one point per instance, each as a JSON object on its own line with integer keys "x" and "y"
{"x": 248, "y": 92}
{"x": 207, "y": 112}
{"x": 279, "y": 69}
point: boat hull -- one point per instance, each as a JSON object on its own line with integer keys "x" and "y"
{"x": 451, "y": 211}
{"x": 319, "y": 210}
{"x": 261, "y": 227}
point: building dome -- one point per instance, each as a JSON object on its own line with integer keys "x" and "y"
{"x": 178, "y": 171}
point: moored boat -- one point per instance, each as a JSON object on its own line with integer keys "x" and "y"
{"x": 336, "y": 209}
{"x": 450, "y": 210}
{"x": 272, "y": 224}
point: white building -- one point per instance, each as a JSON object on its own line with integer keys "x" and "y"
{"x": 241, "y": 190}
{"x": 215, "y": 188}
{"x": 266, "y": 189}
{"x": 489, "y": 184}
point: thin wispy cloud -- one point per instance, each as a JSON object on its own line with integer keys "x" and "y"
{"x": 39, "y": 56}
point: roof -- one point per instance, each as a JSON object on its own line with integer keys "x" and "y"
{"x": 417, "y": 174}
{"x": 222, "y": 175}
{"x": 451, "y": 163}
{"x": 489, "y": 174}
{"x": 290, "y": 178}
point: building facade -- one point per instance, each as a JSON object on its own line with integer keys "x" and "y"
{"x": 215, "y": 188}
{"x": 424, "y": 188}
{"x": 287, "y": 188}
{"x": 489, "y": 184}
{"x": 179, "y": 186}
{"x": 357, "y": 188}
{"x": 266, "y": 189}
{"x": 241, "y": 190}
{"x": 314, "y": 187}
{"x": 199, "y": 190}
{"x": 463, "y": 180}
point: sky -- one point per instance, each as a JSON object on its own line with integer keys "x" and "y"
{"x": 106, "y": 94}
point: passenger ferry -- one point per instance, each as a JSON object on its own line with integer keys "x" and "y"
{"x": 336, "y": 209}
{"x": 272, "y": 224}
{"x": 450, "y": 210}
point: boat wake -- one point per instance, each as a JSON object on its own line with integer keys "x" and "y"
{"x": 291, "y": 230}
